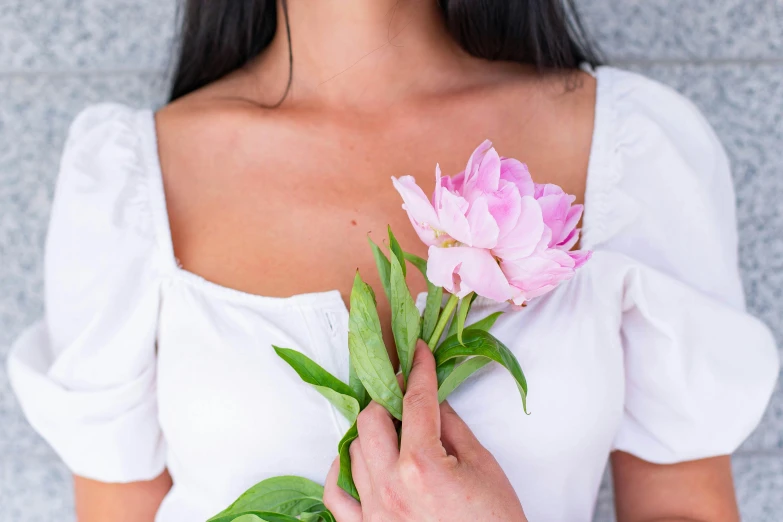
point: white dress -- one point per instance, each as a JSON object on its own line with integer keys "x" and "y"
{"x": 140, "y": 365}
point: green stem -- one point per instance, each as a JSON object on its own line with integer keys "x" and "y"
{"x": 445, "y": 315}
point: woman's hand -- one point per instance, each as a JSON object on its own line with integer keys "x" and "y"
{"x": 438, "y": 472}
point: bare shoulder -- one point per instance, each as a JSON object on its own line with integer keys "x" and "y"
{"x": 563, "y": 90}
{"x": 570, "y": 100}
{"x": 204, "y": 122}
{"x": 207, "y": 141}
{"x": 567, "y": 96}
{"x": 550, "y": 117}
{"x": 548, "y": 99}
{"x": 211, "y": 133}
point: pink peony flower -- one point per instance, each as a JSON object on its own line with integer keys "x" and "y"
{"x": 493, "y": 231}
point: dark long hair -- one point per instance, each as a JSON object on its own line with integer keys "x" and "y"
{"x": 221, "y": 36}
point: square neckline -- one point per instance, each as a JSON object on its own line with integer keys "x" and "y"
{"x": 597, "y": 162}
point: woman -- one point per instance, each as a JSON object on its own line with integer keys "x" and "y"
{"x": 184, "y": 243}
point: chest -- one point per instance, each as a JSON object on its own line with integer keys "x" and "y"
{"x": 292, "y": 207}
{"x": 233, "y": 413}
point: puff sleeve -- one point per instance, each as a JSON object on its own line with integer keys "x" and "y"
{"x": 86, "y": 375}
{"x": 699, "y": 369}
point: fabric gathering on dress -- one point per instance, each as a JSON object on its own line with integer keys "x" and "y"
{"x": 141, "y": 366}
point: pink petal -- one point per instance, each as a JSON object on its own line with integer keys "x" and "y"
{"x": 517, "y": 173}
{"x": 475, "y": 159}
{"x": 454, "y": 183}
{"x": 574, "y": 215}
{"x": 546, "y": 238}
{"x": 451, "y": 210}
{"x": 483, "y": 228}
{"x": 526, "y": 235}
{"x": 505, "y": 205}
{"x": 570, "y": 240}
{"x": 569, "y": 234}
{"x": 580, "y": 257}
{"x": 461, "y": 270}
{"x": 485, "y": 178}
{"x": 556, "y": 211}
{"x": 416, "y": 203}
{"x": 426, "y": 233}
{"x": 548, "y": 189}
{"x": 536, "y": 275}
{"x": 438, "y": 186}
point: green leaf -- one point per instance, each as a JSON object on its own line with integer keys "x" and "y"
{"x": 318, "y": 516}
{"x": 333, "y": 389}
{"x": 445, "y": 369}
{"x": 406, "y": 322}
{"x": 397, "y": 252}
{"x": 480, "y": 343}
{"x": 446, "y": 317}
{"x": 356, "y": 385}
{"x": 485, "y": 324}
{"x": 311, "y": 372}
{"x": 248, "y": 518}
{"x": 455, "y": 322}
{"x": 345, "y": 477}
{"x": 462, "y": 314}
{"x": 384, "y": 267}
{"x": 347, "y": 405}
{"x": 365, "y": 343}
{"x": 459, "y": 374}
{"x": 286, "y": 495}
{"x": 431, "y": 310}
{"x": 434, "y": 298}
{"x": 255, "y": 516}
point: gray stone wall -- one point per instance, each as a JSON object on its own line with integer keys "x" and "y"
{"x": 57, "y": 56}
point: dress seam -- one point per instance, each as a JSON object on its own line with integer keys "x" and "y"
{"x": 332, "y": 409}
{"x": 602, "y": 174}
{"x": 156, "y": 194}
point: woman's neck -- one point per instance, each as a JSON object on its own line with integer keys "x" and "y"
{"x": 359, "y": 52}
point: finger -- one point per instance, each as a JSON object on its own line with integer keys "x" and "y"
{"x": 342, "y": 505}
{"x": 456, "y": 436}
{"x": 420, "y": 412}
{"x": 379, "y": 438}
{"x": 361, "y": 475}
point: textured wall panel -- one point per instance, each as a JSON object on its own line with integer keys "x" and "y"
{"x": 35, "y": 490}
{"x": 57, "y": 56}
{"x": 85, "y": 34}
{"x": 691, "y": 30}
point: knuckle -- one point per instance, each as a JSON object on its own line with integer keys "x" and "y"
{"x": 415, "y": 399}
{"x": 413, "y": 468}
{"x": 368, "y": 417}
